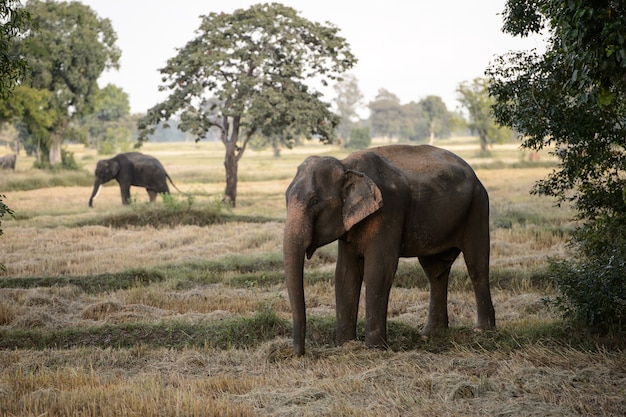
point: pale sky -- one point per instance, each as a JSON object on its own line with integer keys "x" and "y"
{"x": 411, "y": 48}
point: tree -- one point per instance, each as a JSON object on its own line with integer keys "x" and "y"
{"x": 347, "y": 101}
{"x": 245, "y": 73}
{"x": 573, "y": 97}
{"x": 28, "y": 110}
{"x": 386, "y": 116}
{"x": 437, "y": 116}
{"x": 67, "y": 52}
{"x": 360, "y": 138}
{"x": 475, "y": 98}
{"x": 108, "y": 125}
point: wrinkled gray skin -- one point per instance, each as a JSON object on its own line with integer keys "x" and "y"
{"x": 8, "y": 161}
{"x": 132, "y": 168}
{"x": 382, "y": 204}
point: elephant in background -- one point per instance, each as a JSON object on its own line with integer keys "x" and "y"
{"x": 132, "y": 168}
{"x": 382, "y": 204}
{"x": 8, "y": 161}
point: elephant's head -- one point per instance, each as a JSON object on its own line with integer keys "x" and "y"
{"x": 106, "y": 170}
{"x": 324, "y": 201}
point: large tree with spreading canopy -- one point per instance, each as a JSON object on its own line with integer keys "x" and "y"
{"x": 67, "y": 50}
{"x": 251, "y": 72}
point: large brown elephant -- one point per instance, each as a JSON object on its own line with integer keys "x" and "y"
{"x": 382, "y": 204}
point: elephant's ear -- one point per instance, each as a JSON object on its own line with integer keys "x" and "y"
{"x": 361, "y": 198}
{"x": 115, "y": 167}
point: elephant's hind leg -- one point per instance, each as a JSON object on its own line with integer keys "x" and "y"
{"x": 153, "y": 195}
{"x": 437, "y": 269}
{"x": 477, "y": 262}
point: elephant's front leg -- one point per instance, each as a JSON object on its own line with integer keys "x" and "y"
{"x": 378, "y": 276}
{"x": 348, "y": 281}
{"x": 125, "y": 190}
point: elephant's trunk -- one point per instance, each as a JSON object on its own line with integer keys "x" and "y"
{"x": 295, "y": 242}
{"x": 97, "y": 185}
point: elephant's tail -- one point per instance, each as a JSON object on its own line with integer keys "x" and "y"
{"x": 174, "y": 185}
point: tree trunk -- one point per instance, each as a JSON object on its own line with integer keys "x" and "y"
{"x": 483, "y": 143}
{"x": 432, "y": 133}
{"x": 231, "y": 165}
{"x": 276, "y": 149}
{"x": 55, "y": 150}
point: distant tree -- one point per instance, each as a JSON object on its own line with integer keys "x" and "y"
{"x": 437, "y": 116}
{"x": 360, "y": 138}
{"x": 475, "y": 98}
{"x": 415, "y": 126}
{"x": 67, "y": 53}
{"x": 347, "y": 102}
{"x": 245, "y": 73}
{"x": 386, "y": 116}
{"x": 572, "y": 98}
{"x": 108, "y": 125}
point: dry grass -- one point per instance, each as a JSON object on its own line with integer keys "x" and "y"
{"x": 213, "y": 277}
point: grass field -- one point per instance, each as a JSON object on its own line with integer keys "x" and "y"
{"x": 103, "y": 314}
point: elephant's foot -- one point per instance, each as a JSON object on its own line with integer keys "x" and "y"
{"x": 379, "y": 344}
{"x": 431, "y": 329}
{"x": 484, "y": 327}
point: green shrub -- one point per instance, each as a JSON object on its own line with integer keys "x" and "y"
{"x": 592, "y": 289}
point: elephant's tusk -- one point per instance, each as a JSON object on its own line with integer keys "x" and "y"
{"x": 97, "y": 192}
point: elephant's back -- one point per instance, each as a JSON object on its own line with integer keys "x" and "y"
{"x": 426, "y": 163}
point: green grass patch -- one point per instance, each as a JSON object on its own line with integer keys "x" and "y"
{"x": 91, "y": 284}
{"x": 239, "y": 333}
{"x": 403, "y": 337}
{"x": 36, "y": 179}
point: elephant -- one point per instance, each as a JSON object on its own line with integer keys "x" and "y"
{"x": 381, "y": 204}
{"x": 132, "y": 168}
{"x": 8, "y": 161}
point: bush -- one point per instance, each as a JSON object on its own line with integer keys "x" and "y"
{"x": 592, "y": 289}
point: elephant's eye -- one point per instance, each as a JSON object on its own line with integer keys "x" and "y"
{"x": 313, "y": 201}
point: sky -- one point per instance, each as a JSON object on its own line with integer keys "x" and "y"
{"x": 412, "y": 49}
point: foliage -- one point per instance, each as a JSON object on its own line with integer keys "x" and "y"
{"x": 476, "y": 99}
{"x": 28, "y": 108}
{"x": 109, "y": 125}
{"x": 416, "y": 122}
{"x": 68, "y": 162}
{"x": 67, "y": 52}
{"x": 592, "y": 292}
{"x": 246, "y": 73}
{"x": 360, "y": 138}
{"x": 573, "y": 97}
{"x": 15, "y": 21}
